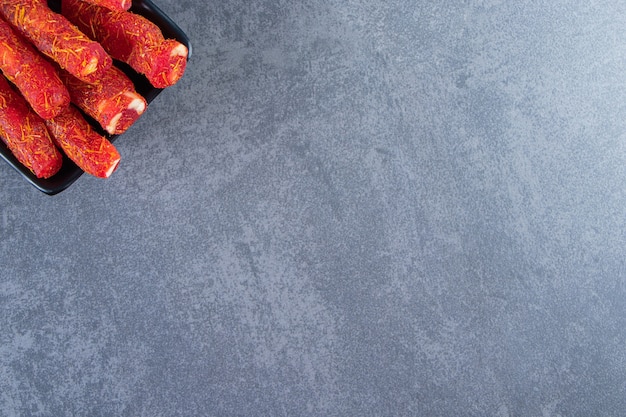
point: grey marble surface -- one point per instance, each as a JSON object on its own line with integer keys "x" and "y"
{"x": 344, "y": 208}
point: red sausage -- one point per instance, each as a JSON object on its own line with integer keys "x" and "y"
{"x": 92, "y": 152}
{"x": 112, "y": 4}
{"x": 25, "y": 134}
{"x": 112, "y": 101}
{"x": 57, "y": 38}
{"x": 131, "y": 38}
{"x": 32, "y": 74}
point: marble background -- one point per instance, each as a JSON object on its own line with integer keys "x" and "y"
{"x": 345, "y": 208}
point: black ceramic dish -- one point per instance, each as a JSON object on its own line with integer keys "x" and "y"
{"x": 70, "y": 172}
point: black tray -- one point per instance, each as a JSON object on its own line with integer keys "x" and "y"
{"x": 70, "y": 172}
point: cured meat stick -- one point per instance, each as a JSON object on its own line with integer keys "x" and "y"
{"x": 32, "y": 74}
{"x": 131, "y": 38}
{"x": 57, "y": 38}
{"x": 92, "y": 152}
{"x": 112, "y": 4}
{"x": 25, "y": 134}
{"x": 112, "y": 101}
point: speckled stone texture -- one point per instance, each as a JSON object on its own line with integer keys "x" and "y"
{"x": 345, "y": 208}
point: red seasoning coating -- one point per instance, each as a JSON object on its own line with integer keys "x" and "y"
{"x": 112, "y": 101}
{"x": 92, "y": 152}
{"x": 57, "y": 38}
{"x": 112, "y": 4}
{"x": 131, "y": 38}
{"x": 32, "y": 74}
{"x": 25, "y": 134}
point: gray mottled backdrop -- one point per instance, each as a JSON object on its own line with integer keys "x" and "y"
{"x": 345, "y": 208}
